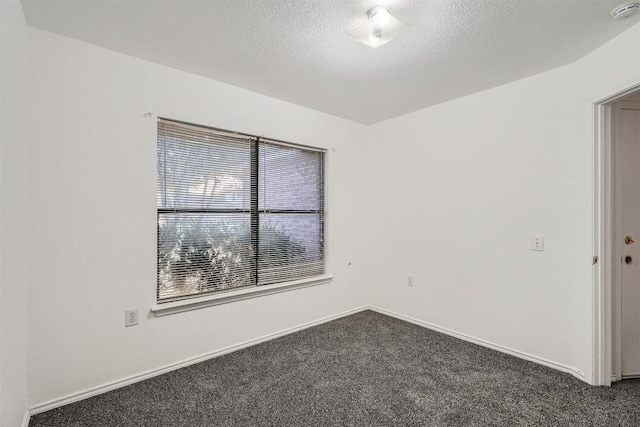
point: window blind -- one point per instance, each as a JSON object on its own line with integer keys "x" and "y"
{"x": 203, "y": 196}
{"x": 235, "y": 211}
{"x": 291, "y": 203}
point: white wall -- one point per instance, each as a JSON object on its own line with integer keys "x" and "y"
{"x": 93, "y": 215}
{"x": 458, "y": 189}
{"x": 13, "y": 257}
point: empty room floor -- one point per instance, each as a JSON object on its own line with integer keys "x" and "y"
{"x": 364, "y": 369}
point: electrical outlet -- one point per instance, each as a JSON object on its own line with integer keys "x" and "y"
{"x": 131, "y": 317}
{"x": 409, "y": 281}
{"x": 537, "y": 243}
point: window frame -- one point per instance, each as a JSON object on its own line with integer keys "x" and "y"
{"x": 195, "y": 301}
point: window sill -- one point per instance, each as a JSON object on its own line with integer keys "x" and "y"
{"x": 258, "y": 291}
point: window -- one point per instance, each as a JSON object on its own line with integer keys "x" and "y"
{"x": 235, "y": 211}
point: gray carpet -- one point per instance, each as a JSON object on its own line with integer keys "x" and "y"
{"x": 366, "y": 370}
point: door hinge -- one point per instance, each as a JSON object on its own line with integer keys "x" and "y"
{"x": 595, "y": 260}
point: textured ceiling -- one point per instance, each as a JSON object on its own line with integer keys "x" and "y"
{"x": 296, "y": 50}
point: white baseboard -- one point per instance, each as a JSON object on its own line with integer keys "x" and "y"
{"x": 94, "y": 391}
{"x": 25, "y": 418}
{"x": 75, "y": 397}
{"x": 630, "y": 376}
{"x": 558, "y": 366}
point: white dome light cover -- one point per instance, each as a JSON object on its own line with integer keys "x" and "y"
{"x": 380, "y": 28}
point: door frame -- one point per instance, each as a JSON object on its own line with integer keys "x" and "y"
{"x": 605, "y": 235}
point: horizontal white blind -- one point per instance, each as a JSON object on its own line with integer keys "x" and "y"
{"x": 291, "y": 206}
{"x": 200, "y": 169}
{"x": 202, "y": 253}
{"x": 235, "y": 211}
{"x": 203, "y": 197}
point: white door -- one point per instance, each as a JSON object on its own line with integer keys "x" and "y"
{"x": 628, "y": 141}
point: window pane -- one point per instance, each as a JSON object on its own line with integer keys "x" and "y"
{"x": 201, "y": 170}
{"x": 289, "y": 178}
{"x": 202, "y": 253}
{"x": 219, "y": 195}
{"x": 290, "y": 247}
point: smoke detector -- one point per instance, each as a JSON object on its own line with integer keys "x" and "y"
{"x": 624, "y": 11}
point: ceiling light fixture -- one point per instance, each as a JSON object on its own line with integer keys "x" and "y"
{"x": 624, "y": 11}
{"x": 380, "y": 28}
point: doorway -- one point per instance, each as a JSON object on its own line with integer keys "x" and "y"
{"x": 617, "y": 238}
